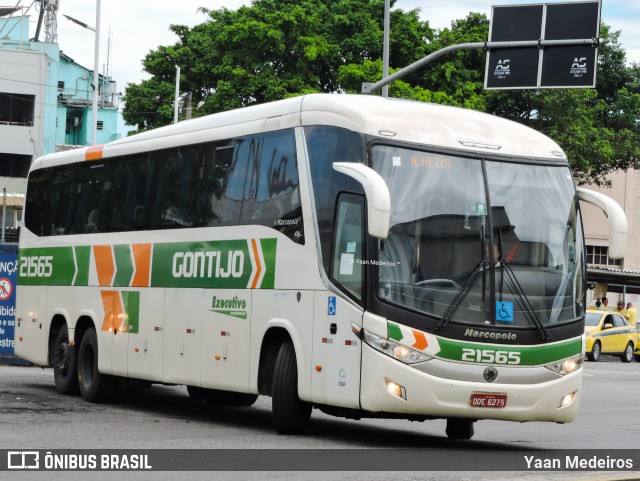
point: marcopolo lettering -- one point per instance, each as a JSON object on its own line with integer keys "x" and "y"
{"x": 208, "y": 264}
{"x": 497, "y": 336}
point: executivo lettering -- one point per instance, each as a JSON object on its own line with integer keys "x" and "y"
{"x": 230, "y": 306}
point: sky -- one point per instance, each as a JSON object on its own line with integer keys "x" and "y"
{"x": 138, "y": 26}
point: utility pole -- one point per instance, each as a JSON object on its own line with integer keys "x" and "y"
{"x": 96, "y": 79}
{"x": 176, "y": 100}
{"x": 385, "y": 46}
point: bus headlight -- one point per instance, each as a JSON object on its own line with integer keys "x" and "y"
{"x": 394, "y": 350}
{"x": 567, "y": 366}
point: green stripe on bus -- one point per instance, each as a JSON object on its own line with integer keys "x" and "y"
{"x": 131, "y": 305}
{"x": 83, "y": 256}
{"x": 269, "y": 255}
{"x": 528, "y": 355}
{"x": 395, "y": 333}
{"x": 208, "y": 264}
{"x": 124, "y": 265}
{"x": 51, "y": 266}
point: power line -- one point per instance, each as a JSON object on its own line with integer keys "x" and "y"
{"x": 40, "y": 84}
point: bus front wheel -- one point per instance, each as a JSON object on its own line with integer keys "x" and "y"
{"x": 94, "y": 386}
{"x": 65, "y": 363}
{"x": 290, "y": 414}
{"x": 459, "y": 428}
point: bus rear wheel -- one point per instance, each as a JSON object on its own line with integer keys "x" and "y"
{"x": 65, "y": 363}
{"x": 460, "y": 428}
{"x": 94, "y": 386}
{"x": 290, "y": 414}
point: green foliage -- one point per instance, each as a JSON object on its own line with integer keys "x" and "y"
{"x": 275, "y": 49}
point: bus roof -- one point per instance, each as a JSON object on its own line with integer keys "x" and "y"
{"x": 401, "y": 120}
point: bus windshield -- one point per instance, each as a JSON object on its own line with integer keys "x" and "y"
{"x": 480, "y": 241}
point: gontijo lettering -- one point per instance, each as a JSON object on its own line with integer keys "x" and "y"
{"x": 208, "y": 264}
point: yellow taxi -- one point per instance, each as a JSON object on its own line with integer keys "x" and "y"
{"x": 609, "y": 333}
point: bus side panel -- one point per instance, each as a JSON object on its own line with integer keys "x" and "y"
{"x": 183, "y": 336}
{"x": 337, "y": 350}
{"x": 112, "y": 339}
{"x": 146, "y": 336}
{"x": 226, "y": 339}
{"x": 291, "y": 310}
{"x": 32, "y": 327}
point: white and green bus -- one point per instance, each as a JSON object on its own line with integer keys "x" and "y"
{"x": 365, "y": 256}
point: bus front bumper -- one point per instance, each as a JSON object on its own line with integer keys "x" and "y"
{"x": 388, "y": 385}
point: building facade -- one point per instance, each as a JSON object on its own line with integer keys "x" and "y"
{"x": 45, "y": 106}
{"x": 616, "y": 279}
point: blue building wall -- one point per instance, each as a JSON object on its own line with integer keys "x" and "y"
{"x": 67, "y": 113}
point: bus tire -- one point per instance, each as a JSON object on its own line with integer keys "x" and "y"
{"x": 65, "y": 363}
{"x": 94, "y": 386}
{"x": 290, "y": 414}
{"x": 460, "y": 428}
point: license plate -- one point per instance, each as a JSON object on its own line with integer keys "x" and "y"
{"x": 488, "y": 400}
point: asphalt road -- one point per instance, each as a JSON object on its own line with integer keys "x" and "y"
{"x": 34, "y": 416}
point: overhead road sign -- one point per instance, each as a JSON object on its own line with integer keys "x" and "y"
{"x": 518, "y": 45}
{"x": 566, "y": 52}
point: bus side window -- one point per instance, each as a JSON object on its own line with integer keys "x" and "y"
{"x": 129, "y": 192}
{"x": 63, "y": 194}
{"x": 274, "y": 195}
{"x": 326, "y": 145}
{"x": 347, "y": 267}
{"x": 91, "y": 195}
{"x": 176, "y": 181}
{"x": 222, "y": 183}
{"x": 38, "y": 203}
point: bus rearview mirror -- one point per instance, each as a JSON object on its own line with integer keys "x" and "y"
{"x": 616, "y": 218}
{"x": 378, "y": 197}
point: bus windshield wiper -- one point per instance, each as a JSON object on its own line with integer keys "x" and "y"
{"x": 462, "y": 293}
{"x": 523, "y": 301}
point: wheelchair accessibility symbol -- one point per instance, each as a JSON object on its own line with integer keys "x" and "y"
{"x": 504, "y": 311}
{"x": 331, "y": 308}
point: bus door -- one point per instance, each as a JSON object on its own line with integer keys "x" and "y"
{"x": 337, "y": 350}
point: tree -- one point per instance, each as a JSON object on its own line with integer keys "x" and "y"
{"x": 597, "y": 128}
{"x": 279, "y": 48}
{"x": 271, "y": 50}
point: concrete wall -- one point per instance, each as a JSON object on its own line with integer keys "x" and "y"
{"x": 27, "y": 75}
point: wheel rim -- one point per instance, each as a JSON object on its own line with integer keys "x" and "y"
{"x": 596, "y": 350}
{"x": 62, "y": 358}
{"x": 628, "y": 352}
